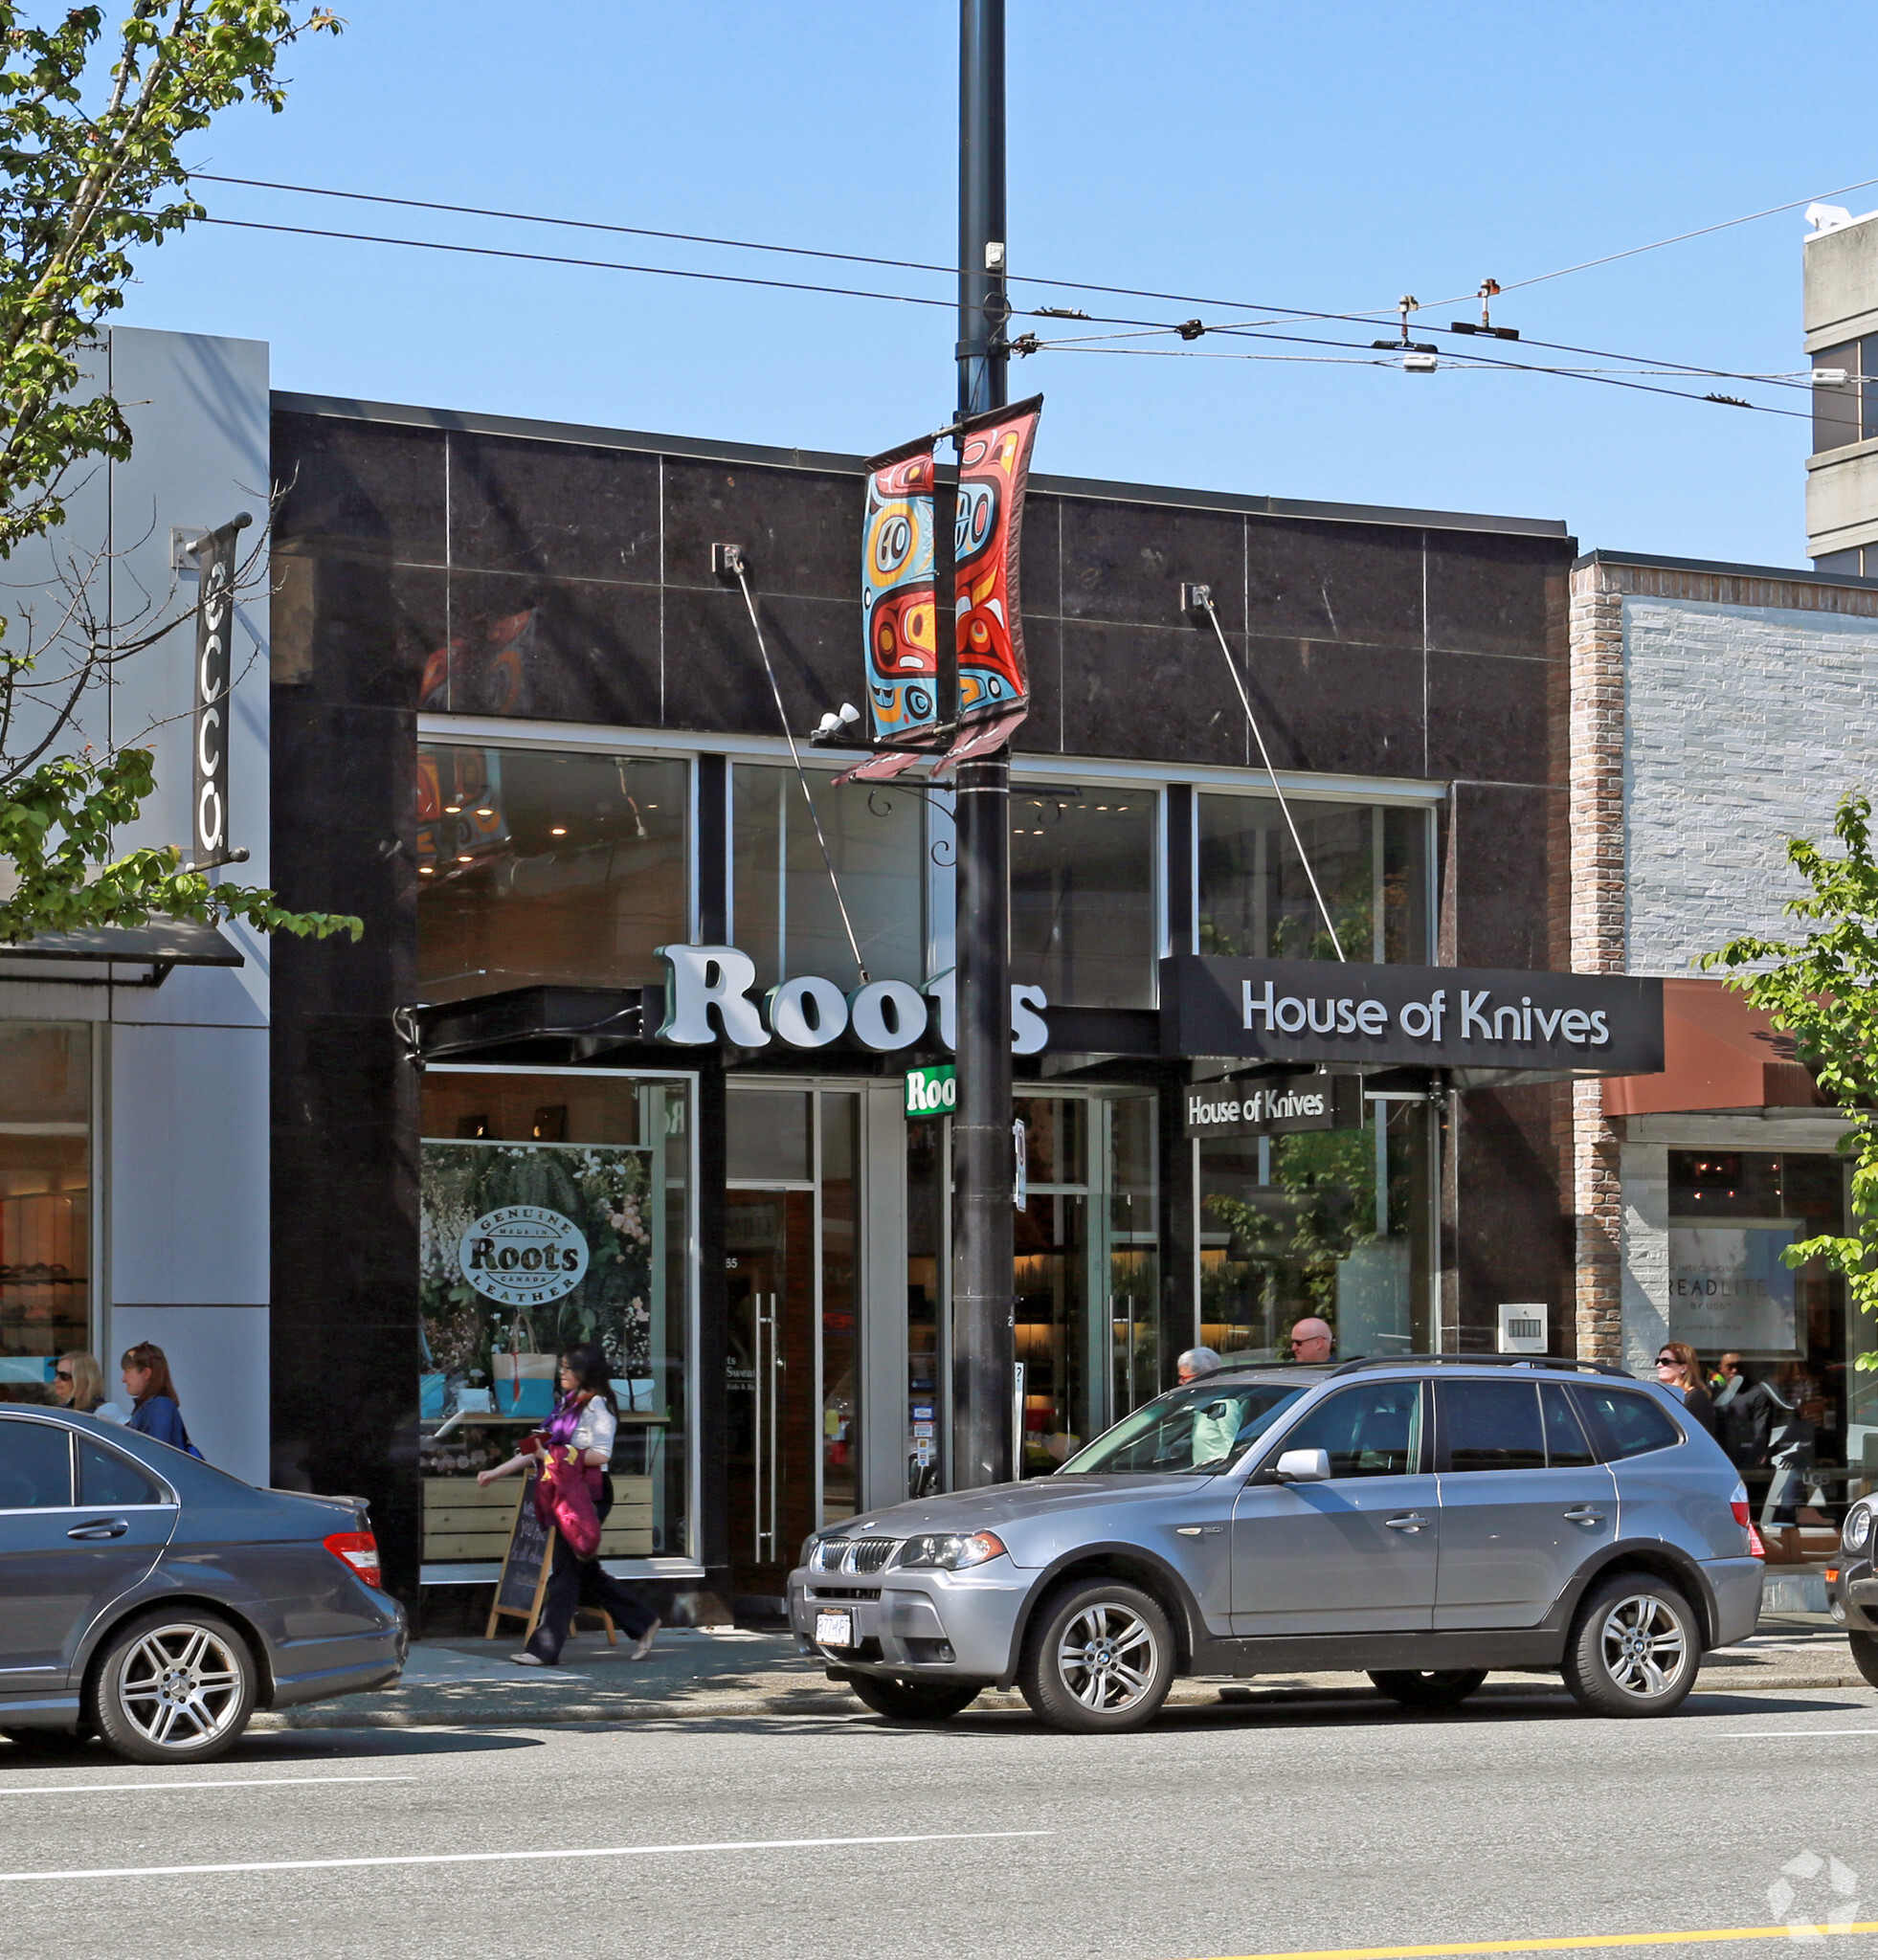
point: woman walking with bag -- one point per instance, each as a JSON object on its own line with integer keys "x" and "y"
{"x": 572, "y": 1452}
{"x": 157, "y": 1408}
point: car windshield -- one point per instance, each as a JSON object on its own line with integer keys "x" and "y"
{"x": 1201, "y": 1429}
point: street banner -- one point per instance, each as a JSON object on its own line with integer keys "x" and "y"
{"x": 900, "y": 612}
{"x": 994, "y": 682}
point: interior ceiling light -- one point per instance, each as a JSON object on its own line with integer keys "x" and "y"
{"x": 463, "y": 858}
{"x": 452, "y": 809}
{"x": 485, "y": 812}
{"x": 560, "y": 830}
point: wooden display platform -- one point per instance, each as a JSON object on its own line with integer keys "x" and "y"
{"x": 464, "y": 1520}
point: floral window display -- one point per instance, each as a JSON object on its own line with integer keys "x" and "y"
{"x": 555, "y": 1213}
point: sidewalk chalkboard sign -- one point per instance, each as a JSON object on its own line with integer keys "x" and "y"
{"x": 524, "y": 1584}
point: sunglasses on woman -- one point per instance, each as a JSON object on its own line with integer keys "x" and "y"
{"x": 1667, "y": 1360}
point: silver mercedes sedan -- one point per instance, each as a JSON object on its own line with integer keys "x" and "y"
{"x": 1421, "y": 1520}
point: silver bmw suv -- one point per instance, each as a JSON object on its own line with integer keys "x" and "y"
{"x": 1422, "y": 1519}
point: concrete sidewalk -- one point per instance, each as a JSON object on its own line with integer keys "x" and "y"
{"x": 472, "y": 1684}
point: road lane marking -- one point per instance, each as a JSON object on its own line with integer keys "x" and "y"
{"x": 1580, "y": 1942}
{"x": 327, "y": 1864}
{"x": 186, "y": 1783}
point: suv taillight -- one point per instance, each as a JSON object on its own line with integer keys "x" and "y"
{"x": 358, "y": 1550}
{"x": 1744, "y": 1518}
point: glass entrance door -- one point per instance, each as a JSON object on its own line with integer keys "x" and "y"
{"x": 792, "y": 1366}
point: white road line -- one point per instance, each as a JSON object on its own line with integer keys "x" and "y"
{"x": 188, "y": 1783}
{"x": 327, "y": 1864}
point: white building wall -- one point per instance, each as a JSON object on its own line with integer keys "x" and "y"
{"x": 180, "y": 1144}
{"x": 1743, "y": 727}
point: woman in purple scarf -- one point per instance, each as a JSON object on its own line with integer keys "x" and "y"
{"x": 586, "y": 1420}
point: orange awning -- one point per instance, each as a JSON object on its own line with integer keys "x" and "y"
{"x": 1719, "y": 1053}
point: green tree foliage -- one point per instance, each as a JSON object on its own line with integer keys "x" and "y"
{"x": 90, "y": 125}
{"x": 1822, "y": 988}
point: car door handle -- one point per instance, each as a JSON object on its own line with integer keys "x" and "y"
{"x": 1406, "y": 1521}
{"x": 1585, "y": 1514}
{"x": 100, "y": 1528}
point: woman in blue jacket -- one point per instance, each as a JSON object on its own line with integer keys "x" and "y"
{"x": 158, "y": 1411}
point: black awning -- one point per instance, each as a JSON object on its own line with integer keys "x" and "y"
{"x": 159, "y": 944}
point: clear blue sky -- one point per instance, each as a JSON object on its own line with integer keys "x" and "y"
{"x": 1332, "y": 156}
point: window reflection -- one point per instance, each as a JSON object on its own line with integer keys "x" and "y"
{"x": 45, "y": 1196}
{"x": 1255, "y": 898}
{"x": 1082, "y": 894}
{"x": 534, "y": 866}
{"x": 784, "y": 910}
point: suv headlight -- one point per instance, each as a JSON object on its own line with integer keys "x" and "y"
{"x": 808, "y": 1550}
{"x": 952, "y": 1552}
{"x": 1857, "y": 1533}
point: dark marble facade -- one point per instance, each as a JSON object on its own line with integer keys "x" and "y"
{"x": 566, "y": 577}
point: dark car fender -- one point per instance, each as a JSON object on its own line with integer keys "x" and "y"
{"x": 1118, "y": 1559}
{"x": 1649, "y": 1554}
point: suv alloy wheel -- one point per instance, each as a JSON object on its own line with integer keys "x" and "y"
{"x": 1099, "y": 1658}
{"x": 1635, "y": 1647}
{"x": 176, "y": 1685}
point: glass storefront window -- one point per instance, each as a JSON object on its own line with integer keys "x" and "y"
{"x": 783, "y": 907}
{"x": 1331, "y": 1223}
{"x": 1083, "y": 924}
{"x": 45, "y": 1196}
{"x": 536, "y": 867}
{"x": 928, "y": 1207}
{"x": 1255, "y": 898}
{"x": 556, "y": 1209}
{"x": 1797, "y": 1399}
{"x": 1138, "y": 1366}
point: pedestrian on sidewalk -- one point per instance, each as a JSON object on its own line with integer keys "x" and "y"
{"x": 157, "y": 1410}
{"x": 1679, "y": 1370}
{"x": 586, "y": 1420}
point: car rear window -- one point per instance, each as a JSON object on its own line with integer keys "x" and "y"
{"x": 1491, "y": 1426}
{"x": 1567, "y": 1447}
{"x": 36, "y": 1465}
{"x": 1624, "y": 1422}
{"x": 105, "y": 1478}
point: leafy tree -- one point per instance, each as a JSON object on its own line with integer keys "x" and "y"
{"x": 90, "y": 125}
{"x": 1824, "y": 990}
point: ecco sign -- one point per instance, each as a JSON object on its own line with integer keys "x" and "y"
{"x": 708, "y": 994}
{"x": 1279, "y": 1106}
{"x": 1312, "y": 1011}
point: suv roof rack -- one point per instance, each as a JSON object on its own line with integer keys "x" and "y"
{"x": 1559, "y": 1361}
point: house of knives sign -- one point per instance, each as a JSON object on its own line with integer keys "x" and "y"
{"x": 1275, "y": 1107}
{"x": 215, "y": 631}
{"x": 1317, "y": 1011}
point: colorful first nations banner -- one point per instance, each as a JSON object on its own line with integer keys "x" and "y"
{"x": 900, "y": 597}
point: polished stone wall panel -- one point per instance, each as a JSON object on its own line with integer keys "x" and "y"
{"x": 554, "y": 649}
{"x": 714, "y": 674}
{"x": 1143, "y": 691}
{"x": 359, "y": 487}
{"x": 1490, "y": 717}
{"x": 1124, "y": 563}
{"x": 800, "y": 529}
{"x": 517, "y": 504}
{"x": 1359, "y": 583}
{"x": 1494, "y": 594}
{"x": 1346, "y": 709}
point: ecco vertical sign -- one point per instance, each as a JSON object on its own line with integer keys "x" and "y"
{"x": 215, "y": 631}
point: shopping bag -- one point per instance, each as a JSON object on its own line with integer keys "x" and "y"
{"x": 564, "y": 1502}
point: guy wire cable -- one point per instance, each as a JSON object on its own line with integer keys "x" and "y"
{"x": 733, "y": 558}
{"x": 1204, "y": 595}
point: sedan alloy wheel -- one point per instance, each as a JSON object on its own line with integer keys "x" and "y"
{"x": 174, "y": 1688}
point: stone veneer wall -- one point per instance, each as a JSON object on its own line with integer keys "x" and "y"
{"x": 1713, "y": 715}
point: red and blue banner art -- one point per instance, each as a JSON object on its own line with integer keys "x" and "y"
{"x": 994, "y": 682}
{"x": 900, "y": 597}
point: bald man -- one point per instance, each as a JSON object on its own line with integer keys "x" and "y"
{"x": 1312, "y": 1340}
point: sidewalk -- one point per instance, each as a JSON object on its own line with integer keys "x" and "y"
{"x": 471, "y": 1683}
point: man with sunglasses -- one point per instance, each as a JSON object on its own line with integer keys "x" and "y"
{"x": 1312, "y": 1342}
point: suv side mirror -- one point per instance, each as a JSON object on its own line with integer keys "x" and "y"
{"x": 1303, "y": 1466}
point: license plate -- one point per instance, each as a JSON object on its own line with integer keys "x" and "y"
{"x": 833, "y": 1629}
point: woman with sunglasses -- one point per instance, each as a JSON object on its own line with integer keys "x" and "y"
{"x": 1677, "y": 1368}
{"x": 79, "y": 1383}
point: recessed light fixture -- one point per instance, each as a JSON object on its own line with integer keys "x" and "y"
{"x": 485, "y": 812}
{"x": 560, "y": 830}
{"x": 453, "y": 810}
{"x": 426, "y": 871}
{"x": 463, "y": 858}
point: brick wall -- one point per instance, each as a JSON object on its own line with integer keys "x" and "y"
{"x": 1713, "y": 715}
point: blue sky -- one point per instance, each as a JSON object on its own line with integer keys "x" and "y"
{"x": 1331, "y": 157}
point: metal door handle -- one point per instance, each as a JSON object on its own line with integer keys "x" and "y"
{"x": 1406, "y": 1521}
{"x": 1584, "y": 1514}
{"x": 101, "y": 1527}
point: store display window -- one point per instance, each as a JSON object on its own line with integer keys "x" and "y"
{"x": 45, "y": 1197}
{"x": 556, "y": 1209}
{"x": 1083, "y": 904}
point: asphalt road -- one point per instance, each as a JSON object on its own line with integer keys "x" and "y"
{"x": 1249, "y": 1829}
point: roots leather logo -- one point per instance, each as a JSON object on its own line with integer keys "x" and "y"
{"x": 522, "y": 1255}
